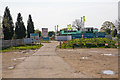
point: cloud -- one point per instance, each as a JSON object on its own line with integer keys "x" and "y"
{"x": 60, "y": 0}
{"x": 62, "y": 12}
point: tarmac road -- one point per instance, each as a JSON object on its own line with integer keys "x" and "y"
{"x": 45, "y": 63}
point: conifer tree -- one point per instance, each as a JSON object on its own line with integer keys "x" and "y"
{"x": 20, "y": 30}
{"x": 7, "y": 24}
{"x": 30, "y": 26}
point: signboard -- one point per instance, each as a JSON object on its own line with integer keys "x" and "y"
{"x": 44, "y": 32}
{"x": 34, "y": 37}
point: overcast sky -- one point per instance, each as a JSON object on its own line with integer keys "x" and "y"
{"x": 48, "y": 13}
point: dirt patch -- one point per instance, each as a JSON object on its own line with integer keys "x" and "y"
{"x": 11, "y": 59}
{"x": 92, "y": 62}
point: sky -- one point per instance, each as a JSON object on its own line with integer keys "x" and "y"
{"x": 48, "y": 13}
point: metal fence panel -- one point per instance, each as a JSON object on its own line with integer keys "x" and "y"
{"x": 63, "y": 38}
{"x": 88, "y": 35}
{"x": 27, "y": 40}
{"x": 75, "y": 36}
{"x": 100, "y": 35}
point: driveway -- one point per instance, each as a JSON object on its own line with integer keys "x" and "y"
{"x": 45, "y": 63}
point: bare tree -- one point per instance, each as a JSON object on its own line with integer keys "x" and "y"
{"x": 77, "y": 24}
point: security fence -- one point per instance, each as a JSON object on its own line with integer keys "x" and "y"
{"x": 9, "y": 43}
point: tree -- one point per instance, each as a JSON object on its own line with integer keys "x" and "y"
{"x": 77, "y": 24}
{"x": 30, "y": 26}
{"x": 51, "y": 33}
{"x": 20, "y": 30}
{"x": 7, "y": 25}
{"x": 107, "y": 31}
{"x": 114, "y": 33}
{"x": 107, "y": 25}
{"x": 118, "y": 35}
{"x": 39, "y": 32}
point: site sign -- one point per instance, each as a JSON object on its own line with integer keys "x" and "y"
{"x": 44, "y": 32}
{"x": 34, "y": 37}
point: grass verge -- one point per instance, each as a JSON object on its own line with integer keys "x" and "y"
{"x": 22, "y": 47}
{"x": 42, "y": 41}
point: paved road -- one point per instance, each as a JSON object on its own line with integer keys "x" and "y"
{"x": 0, "y": 65}
{"x": 44, "y": 64}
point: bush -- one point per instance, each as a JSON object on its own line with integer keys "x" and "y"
{"x": 89, "y": 43}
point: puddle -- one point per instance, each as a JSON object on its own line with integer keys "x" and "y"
{"x": 107, "y": 54}
{"x": 18, "y": 58}
{"x": 109, "y": 72}
{"x": 14, "y": 59}
{"x": 93, "y": 51}
{"x": 84, "y": 58}
{"x": 21, "y": 58}
{"x": 11, "y": 67}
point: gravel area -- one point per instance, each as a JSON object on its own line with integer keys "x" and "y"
{"x": 11, "y": 59}
{"x": 93, "y": 62}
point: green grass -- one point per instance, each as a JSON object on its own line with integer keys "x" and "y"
{"x": 90, "y": 43}
{"x": 22, "y": 47}
{"x": 42, "y": 41}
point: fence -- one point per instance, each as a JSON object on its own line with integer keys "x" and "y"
{"x": 108, "y": 36}
{"x": 89, "y": 35}
{"x": 84, "y": 35}
{"x": 63, "y": 38}
{"x": 8, "y": 43}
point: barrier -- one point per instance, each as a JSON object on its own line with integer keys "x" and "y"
{"x": 108, "y": 36}
{"x": 8, "y": 43}
{"x": 89, "y": 35}
{"x": 63, "y": 38}
{"x": 100, "y": 35}
{"x": 75, "y": 36}
{"x": 27, "y": 40}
